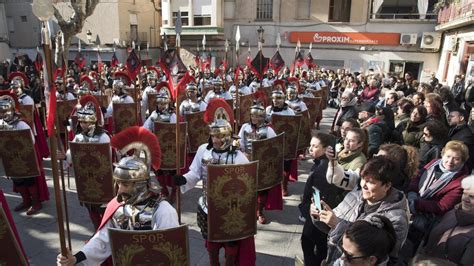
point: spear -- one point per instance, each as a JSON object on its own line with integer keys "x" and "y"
{"x": 44, "y": 11}
{"x": 236, "y": 79}
{"x": 178, "y": 29}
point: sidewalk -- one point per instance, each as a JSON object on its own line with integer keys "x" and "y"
{"x": 277, "y": 242}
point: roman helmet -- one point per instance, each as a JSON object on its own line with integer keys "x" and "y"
{"x": 85, "y": 86}
{"x": 219, "y": 116}
{"x": 257, "y": 110}
{"x": 121, "y": 79}
{"x": 9, "y": 112}
{"x": 136, "y": 168}
{"x": 191, "y": 90}
{"x": 278, "y": 93}
{"x": 293, "y": 89}
{"x": 152, "y": 76}
{"x": 18, "y": 82}
{"x": 89, "y": 112}
{"x": 163, "y": 96}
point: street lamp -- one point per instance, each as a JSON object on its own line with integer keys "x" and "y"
{"x": 260, "y": 32}
{"x": 89, "y": 36}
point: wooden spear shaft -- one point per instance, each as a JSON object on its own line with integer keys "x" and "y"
{"x": 54, "y": 159}
{"x": 178, "y": 150}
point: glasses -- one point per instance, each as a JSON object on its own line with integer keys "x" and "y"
{"x": 348, "y": 257}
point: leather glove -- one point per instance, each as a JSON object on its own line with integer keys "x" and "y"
{"x": 179, "y": 180}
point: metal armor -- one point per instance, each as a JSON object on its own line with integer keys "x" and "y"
{"x": 212, "y": 157}
{"x": 135, "y": 217}
{"x": 190, "y": 106}
{"x": 256, "y": 134}
{"x": 164, "y": 116}
{"x": 119, "y": 99}
{"x": 295, "y": 105}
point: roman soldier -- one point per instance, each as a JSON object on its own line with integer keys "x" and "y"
{"x": 138, "y": 205}
{"x": 219, "y": 150}
{"x": 218, "y": 91}
{"x": 33, "y": 190}
{"x": 278, "y": 106}
{"x": 192, "y": 103}
{"x": 19, "y": 85}
{"x": 62, "y": 93}
{"x": 120, "y": 94}
{"x": 164, "y": 111}
{"x": 292, "y": 92}
{"x": 89, "y": 129}
{"x": 257, "y": 129}
{"x": 151, "y": 78}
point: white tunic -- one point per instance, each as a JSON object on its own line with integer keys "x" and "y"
{"x": 69, "y": 96}
{"x": 211, "y": 95}
{"x": 247, "y": 128}
{"x": 270, "y": 112}
{"x": 150, "y": 124}
{"x": 98, "y": 249}
{"x": 25, "y": 99}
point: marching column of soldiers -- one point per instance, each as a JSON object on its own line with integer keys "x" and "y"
{"x": 238, "y": 135}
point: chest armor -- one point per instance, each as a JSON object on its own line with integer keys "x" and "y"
{"x": 62, "y": 97}
{"x": 255, "y": 134}
{"x": 190, "y": 107}
{"x": 10, "y": 125}
{"x": 119, "y": 99}
{"x": 210, "y": 157}
{"x": 295, "y": 105}
{"x": 84, "y": 138}
{"x": 135, "y": 217}
{"x": 164, "y": 117}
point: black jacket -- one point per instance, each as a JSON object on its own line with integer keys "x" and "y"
{"x": 464, "y": 134}
{"x": 347, "y": 112}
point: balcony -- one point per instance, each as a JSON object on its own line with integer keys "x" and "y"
{"x": 403, "y": 16}
{"x": 194, "y": 30}
{"x": 455, "y": 15}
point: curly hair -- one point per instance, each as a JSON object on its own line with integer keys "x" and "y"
{"x": 457, "y": 146}
{"x": 436, "y": 104}
{"x": 406, "y": 157}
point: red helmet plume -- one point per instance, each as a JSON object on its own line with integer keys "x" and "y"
{"x": 98, "y": 112}
{"x": 281, "y": 83}
{"x": 213, "y": 106}
{"x": 20, "y": 75}
{"x": 124, "y": 76}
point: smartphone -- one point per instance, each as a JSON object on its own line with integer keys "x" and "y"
{"x": 333, "y": 144}
{"x": 317, "y": 199}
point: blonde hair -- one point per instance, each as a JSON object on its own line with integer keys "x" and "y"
{"x": 457, "y": 146}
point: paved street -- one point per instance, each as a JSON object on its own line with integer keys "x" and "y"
{"x": 277, "y": 243}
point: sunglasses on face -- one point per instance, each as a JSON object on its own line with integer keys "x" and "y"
{"x": 348, "y": 257}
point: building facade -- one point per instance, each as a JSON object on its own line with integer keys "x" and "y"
{"x": 352, "y": 34}
{"x": 456, "y": 23}
{"x": 114, "y": 23}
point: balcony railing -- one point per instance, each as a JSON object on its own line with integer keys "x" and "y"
{"x": 455, "y": 11}
{"x": 429, "y": 16}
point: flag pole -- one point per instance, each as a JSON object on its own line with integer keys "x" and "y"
{"x": 53, "y": 146}
{"x": 236, "y": 80}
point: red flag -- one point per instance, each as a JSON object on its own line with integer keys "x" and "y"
{"x": 259, "y": 64}
{"x": 196, "y": 61}
{"x": 80, "y": 60}
{"x": 38, "y": 62}
{"x": 100, "y": 64}
{"x": 206, "y": 63}
{"x": 114, "y": 61}
{"x": 180, "y": 88}
{"x": 52, "y": 102}
{"x": 277, "y": 62}
{"x": 165, "y": 62}
{"x": 309, "y": 61}
{"x": 133, "y": 64}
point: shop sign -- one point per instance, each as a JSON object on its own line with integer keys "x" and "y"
{"x": 355, "y": 38}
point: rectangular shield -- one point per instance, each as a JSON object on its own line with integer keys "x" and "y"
{"x": 18, "y": 153}
{"x": 231, "y": 201}
{"x": 134, "y": 93}
{"x": 269, "y": 154}
{"x": 304, "y": 137}
{"x": 103, "y": 100}
{"x": 198, "y": 132}
{"x": 166, "y": 133}
{"x": 246, "y": 102}
{"x": 230, "y": 102}
{"x": 324, "y": 95}
{"x": 290, "y": 125}
{"x": 63, "y": 110}
{"x": 125, "y": 115}
{"x": 92, "y": 164}
{"x": 314, "y": 108}
{"x": 13, "y": 254}
{"x": 150, "y": 247}
{"x": 151, "y": 102}
{"x": 27, "y": 114}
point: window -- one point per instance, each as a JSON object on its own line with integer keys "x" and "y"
{"x": 304, "y": 9}
{"x": 264, "y": 9}
{"x": 339, "y": 10}
{"x": 134, "y": 33}
{"x": 399, "y": 9}
{"x": 23, "y": 19}
{"x": 229, "y": 9}
{"x": 202, "y": 20}
{"x": 184, "y": 18}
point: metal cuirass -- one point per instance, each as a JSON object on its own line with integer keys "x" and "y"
{"x": 295, "y": 105}
{"x": 211, "y": 157}
{"x": 164, "y": 117}
{"x": 255, "y": 134}
{"x": 190, "y": 107}
{"x": 138, "y": 217}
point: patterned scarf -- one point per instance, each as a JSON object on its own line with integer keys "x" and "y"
{"x": 429, "y": 185}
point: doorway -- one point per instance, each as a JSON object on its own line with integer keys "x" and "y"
{"x": 399, "y": 68}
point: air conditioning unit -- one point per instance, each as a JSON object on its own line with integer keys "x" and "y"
{"x": 431, "y": 40}
{"x": 408, "y": 38}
